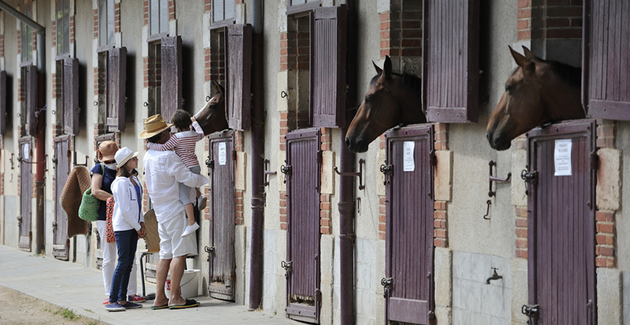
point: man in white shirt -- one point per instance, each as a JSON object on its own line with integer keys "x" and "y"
{"x": 164, "y": 171}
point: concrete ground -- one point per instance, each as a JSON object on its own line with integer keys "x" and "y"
{"x": 72, "y": 286}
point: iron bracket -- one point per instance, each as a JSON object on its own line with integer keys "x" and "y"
{"x": 22, "y": 160}
{"x": 492, "y": 178}
{"x": 267, "y": 172}
{"x": 86, "y": 160}
{"x": 359, "y": 174}
{"x": 11, "y": 160}
{"x": 486, "y": 217}
{"x": 285, "y": 169}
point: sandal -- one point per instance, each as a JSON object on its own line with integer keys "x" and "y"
{"x": 189, "y": 303}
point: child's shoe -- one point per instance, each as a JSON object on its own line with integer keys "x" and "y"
{"x": 190, "y": 229}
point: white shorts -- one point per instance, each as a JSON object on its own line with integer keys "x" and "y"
{"x": 171, "y": 242}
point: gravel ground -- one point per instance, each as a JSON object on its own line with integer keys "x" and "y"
{"x": 18, "y": 308}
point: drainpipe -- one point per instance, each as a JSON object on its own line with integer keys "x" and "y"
{"x": 41, "y": 122}
{"x": 258, "y": 153}
{"x": 347, "y": 184}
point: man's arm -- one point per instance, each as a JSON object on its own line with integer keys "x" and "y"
{"x": 182, "y": 174}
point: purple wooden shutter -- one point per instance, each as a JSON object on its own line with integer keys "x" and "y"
{"x": 409, "y": 237}
{"x": 62, "y": 169}
{"x": 3, "y": 102}
{"x": 606, "y": 64}
{"x": 222, "y": 208}
{"x": 171, "y": 76}
{"x": 30, "y": 76}
{"x": 71, "y": 96}
{"x": 303, "y": 235}
{"x": 239, "y": 80}
{"x": 116, "y": 83}
{"x": 451, "y": 78}
{"x": 328, "y": 93}
{"x": 26, "y": 193}
{"x": 561, "y": 226}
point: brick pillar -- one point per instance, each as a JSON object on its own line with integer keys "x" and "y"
{"x": 608, "y": 178}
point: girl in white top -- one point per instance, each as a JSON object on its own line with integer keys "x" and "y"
{"x": 184, "y": 145}
{"x": 128, "y": 224}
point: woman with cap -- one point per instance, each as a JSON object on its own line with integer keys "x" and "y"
{"x": 128, "y": 223}
{"x": 103, "y": 174}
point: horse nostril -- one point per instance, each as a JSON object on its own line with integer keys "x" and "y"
{"x": 348, "y": 142}
{"x": 488, "y": 135}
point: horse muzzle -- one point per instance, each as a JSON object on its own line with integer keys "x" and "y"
{"x": 498, "y": 141}
{"x": 358, "y": 145}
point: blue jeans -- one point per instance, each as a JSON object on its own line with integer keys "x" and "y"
{"x": 127, "y": 242}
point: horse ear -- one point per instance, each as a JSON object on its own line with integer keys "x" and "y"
{"x": 387, "y": 67}
{"x": 378, "y": 70}
{"x": 217, "y": 87}
{"x": 519, "y": 58}
{"x": 528, "y": 53}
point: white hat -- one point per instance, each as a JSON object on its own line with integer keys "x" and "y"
{"x": 123, "y": 155}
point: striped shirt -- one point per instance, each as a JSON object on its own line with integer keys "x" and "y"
{"x": 184, "y": 145}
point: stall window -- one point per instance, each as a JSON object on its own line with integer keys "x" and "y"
{"x": 26, "y": 33}
{"x": 106, "y": 22}
{"x": 223, "y": 11}
{"x": 158, "y": 17}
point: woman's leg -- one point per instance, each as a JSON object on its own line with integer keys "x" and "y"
{"x": 109, "y": 257}
{"x": 114, "y": 295}
{"x": 131, "y": 241}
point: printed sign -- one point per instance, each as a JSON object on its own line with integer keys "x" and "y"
{"x": 27, "y": 151}
{"x": 222, "y": 153}
{"x": 562, "y": 157}
{"x": 408, "y": 162}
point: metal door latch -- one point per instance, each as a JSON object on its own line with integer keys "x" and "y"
{"x": 387, "y": 284}
{"x": 210, "y": 251}
{"x": 530, "y": 311}
{"x": 288, "y": 267}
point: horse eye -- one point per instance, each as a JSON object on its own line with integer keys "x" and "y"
{"x": 368, "y": 99}
{"x": 508, "y": 88}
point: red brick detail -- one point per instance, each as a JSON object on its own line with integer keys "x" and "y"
{"x": 401, "y": 30}
{"x": 382, "y": 217}
{"x": 606, "y": 132}
{"x": 207, "y": 5}
{"x": 239, "y": 218}
{"x": 440, "y": 226}
{"x": 326, "y": 139}
{"x": 325, "y": 222}
{"x": 606, "y": 239}
{"x": 544, "y": 19}
{"x": 441, "y": 136}
{"x": 521, "y": 231}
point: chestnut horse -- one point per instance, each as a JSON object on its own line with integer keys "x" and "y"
{"x": 211, "y": 117}
{"x": 537, "y": 93}
{"x": 392, "y": 99}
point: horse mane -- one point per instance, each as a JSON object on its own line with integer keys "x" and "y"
{"x": 410, "y": 81}
{"x": 568, "y": 73}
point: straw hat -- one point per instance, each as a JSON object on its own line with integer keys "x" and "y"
{"x": 123, "y": 155}
{"x": 107, "y": 150}
{"x": 153, "y": 126}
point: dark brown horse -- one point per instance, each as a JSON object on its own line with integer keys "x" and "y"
{"x": 211, "y": 117}
{"x": 537, "y": 93}
{"x": 392, "y": 99}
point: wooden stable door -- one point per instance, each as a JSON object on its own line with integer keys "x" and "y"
{"x": 222, "y": 219}
{"x": 302, "y": 171}
{"x": 561, "y": 223}
{"x": 409, "y": 237}
{"x": 61, "y": 163}
{"x": 26, "y": 192}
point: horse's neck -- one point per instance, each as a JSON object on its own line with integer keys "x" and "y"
{"x": 565, "y": 104}
{"x": 411, "y": 110}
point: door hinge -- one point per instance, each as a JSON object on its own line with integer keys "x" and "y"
{"x": 594, "y": 161}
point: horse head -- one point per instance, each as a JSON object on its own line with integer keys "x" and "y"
{"x": 538, "y": 92}
{"x": 211, "y": 117}
{"x": 392, "y": 99}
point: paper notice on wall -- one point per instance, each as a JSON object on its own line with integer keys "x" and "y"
{"x": 27, "y": 151}
{"x": 222, "y": 153}
{"x": 408, "y": 163}
{"x": 562, "y": 157}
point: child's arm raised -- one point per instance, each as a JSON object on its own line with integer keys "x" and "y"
{"x": 169, "y": 145}
{"x": 197, "y": 128}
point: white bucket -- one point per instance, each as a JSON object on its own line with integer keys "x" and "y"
{"x": 188, "y": 286}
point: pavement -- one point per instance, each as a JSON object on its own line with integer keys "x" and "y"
{"x": 75, "y": 287}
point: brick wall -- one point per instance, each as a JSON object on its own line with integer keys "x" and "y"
{"x": 549, "y": 19}
{"x": 605, "y": 220}
{"x": 239, "y": 146}
{"x": 440, "y": 214}
{"x": 401, "y": 29}
{"x": 325, "y": 208}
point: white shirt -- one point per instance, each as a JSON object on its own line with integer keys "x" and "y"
{"x": 127, "y": 214}
{"x": 163, "y": 171}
